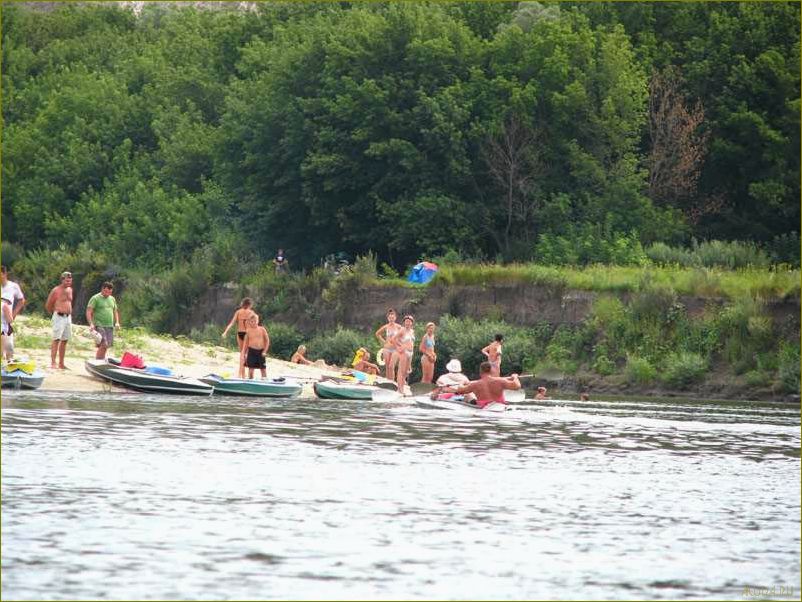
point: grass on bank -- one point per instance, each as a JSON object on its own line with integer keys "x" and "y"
{"x": 775, "y": 283}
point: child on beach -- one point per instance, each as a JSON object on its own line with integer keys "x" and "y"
{"x": 254, "y": 347}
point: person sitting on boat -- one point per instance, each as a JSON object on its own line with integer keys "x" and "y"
{"x": 254, "y": 347}
{"x": 541, "y": 393}
{"x": 488, "y": 389}
{"x": 453, "y": 378}
{"x": 299, "y": 357}
{"x": 362, "y": 362}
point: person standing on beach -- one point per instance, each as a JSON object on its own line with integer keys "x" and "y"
{"x": 493, "y": 354}
{"x": 389, "y": 355}
{"x": 11, "y": 290}
{"x": 280, "y": 262}
{"x": 428, "y": 356}
{"x": 59, "y": 302}
{"x": 103, "y": 317}
{"x": 404, "y": 342}
{"x": 240, "y": 318}
{"x": 7, "y": 330}
{"x": 255, "y": 347}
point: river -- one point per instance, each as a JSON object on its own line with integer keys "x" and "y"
{"x": 142, "y": 497}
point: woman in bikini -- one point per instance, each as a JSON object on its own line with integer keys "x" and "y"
{"x": 404, "y": 342}
{"x": 428, "y": 356}
{"x": 493, "y": 354}
{"x": 389, "y": 331}
{"x": 241, "y": 317}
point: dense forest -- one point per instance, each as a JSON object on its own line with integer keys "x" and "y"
{"x": 503, "y": 130}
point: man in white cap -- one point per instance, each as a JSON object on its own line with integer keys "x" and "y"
{"x": 454, "y": 377}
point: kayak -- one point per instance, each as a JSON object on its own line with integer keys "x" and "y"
{"x": 268, "y": 387}
{"x": 154, "y": 379}
{"x": 21, "y": 377}
{"x": 328, "y": 389}
{"x": 457, "y": 402}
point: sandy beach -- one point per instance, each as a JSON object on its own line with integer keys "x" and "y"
{"x": 179, "y": 354}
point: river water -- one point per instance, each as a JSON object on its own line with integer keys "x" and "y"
{"x": 141, "y": 497}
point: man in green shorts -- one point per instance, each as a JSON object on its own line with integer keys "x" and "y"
{"x": 103, "y": 317}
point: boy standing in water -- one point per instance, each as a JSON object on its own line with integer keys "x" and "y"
{"x": 254, "y": 347}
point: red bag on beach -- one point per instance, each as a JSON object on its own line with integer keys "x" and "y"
{"x": 130, "y": 360}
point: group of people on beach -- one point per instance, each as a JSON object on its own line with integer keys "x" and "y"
{"x": 396, "y": 354}
{"x": 102, "y": 315}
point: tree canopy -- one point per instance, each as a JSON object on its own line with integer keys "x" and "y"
{"x": 410, "y": 129}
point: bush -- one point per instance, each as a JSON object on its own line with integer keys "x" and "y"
{"x": 208, "y": 335}
{"x": 284, "y": 339}
{"x": 339, "y": 348}
{"x": 714, "y": 253}
{"x": 602, "y": 364}
{"x": 684, "y": 368}
{"x": 757, "y": 378}
{"x": 788, "y": 370}
{"x": 639, "y": 370}
{"x": 785, "y": 249}
{"x": 590, "y": 243}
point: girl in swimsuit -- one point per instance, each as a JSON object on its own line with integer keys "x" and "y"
{"x": 428, "y": 356}
{"x": 389, "y": 356}
{"x": 241, "y": 317}
{"x": 493, "y": 353}
{"x": 404, "y": 343}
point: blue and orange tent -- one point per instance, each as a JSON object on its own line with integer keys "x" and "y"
{"x": 422, "y": 272}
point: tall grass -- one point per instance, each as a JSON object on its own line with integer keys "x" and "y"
{"x": 776, "y": 283}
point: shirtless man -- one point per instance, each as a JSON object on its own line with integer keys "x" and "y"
{"x": 59, "y": 302}
{"x": 488, "y": 388}
{"x": 254, "y": 347}
{"x": 493, "y": 354}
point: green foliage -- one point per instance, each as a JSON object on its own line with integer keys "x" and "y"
{"x": 785, "y": 248}
{"x": 339, "y": 347}
{"x": 370, "y": 128}
{"x": 789, "y": 367}
{"x": 639, "y": 370}
{"x": 587, "y": 243}
{"x": 11, "y": 253}
{"x": 284, "y": 340}
{"x": 683, "y": 368}
{"x": 714, "y": 253}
